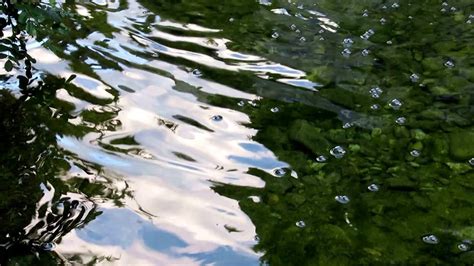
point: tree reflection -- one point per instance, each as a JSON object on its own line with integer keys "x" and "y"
{"x": 39, "y": 203}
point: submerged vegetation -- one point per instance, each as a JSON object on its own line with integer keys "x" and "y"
{"x": 378, "y": 136}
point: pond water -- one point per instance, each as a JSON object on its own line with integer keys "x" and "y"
{"x": 242, "y": 132}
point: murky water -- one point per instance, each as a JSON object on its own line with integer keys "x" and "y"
{"x": 243, "y": 132}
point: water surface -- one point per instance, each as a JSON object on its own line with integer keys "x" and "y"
{"x": 243, "y": 133}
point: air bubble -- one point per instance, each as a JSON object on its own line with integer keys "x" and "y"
{"x": 255, "y": 199}
{"x": 395, "y": 5}
{"x": 252, "y": 103}
{"x": 275, "y": 35}
{"x": 293, "y": 27}
{"x": 383, "y": 21}
{"x": 375, "y": 107}
{"x": 471, "y": 161}
{"x": 463, "y": 247}
{"x": 375, "y": 92}
{"x": 197, "y": 73}
{"x": 338, "y": 152}
{"x": 373, "y": 188}
{"x": 414, "y": 77}
{"x": 280, "y": 172}
{"x": 347, "y": 42}
{"x": 395, "y": 104}
{"x": 449, "y": 64}
{"x": 346, "y": 52}
{"x": 301, "y": 224}
{"x": 302, "y": 39}
{"x": 368, "y": 34}
{"x": 365, "y": 52}
{"x": 415, "y": 153}
{"x": 389, "y": 42}
{"x": 430, "y": 239}
{"x": 401, "y": 120}
{"x": 347, "y": 125}
{"x": 48, "y": 246}
{"x": 275, "y": 110}
{"x": 145, "y": 155}
{"x": 217, "y": 118}
{"x": 342, "y": 199}
{"x": 241, "y": 103}
{"x": 321, "y": 159}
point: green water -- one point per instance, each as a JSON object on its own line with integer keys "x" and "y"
{"x": 242, "y": 133}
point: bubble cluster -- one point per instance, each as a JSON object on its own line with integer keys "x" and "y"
{"x": 375, "y": 92}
